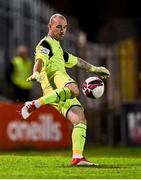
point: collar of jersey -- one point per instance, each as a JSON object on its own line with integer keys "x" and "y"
{"x": 54, "y": 40}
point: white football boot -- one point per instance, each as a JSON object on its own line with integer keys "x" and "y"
{"x": 27, "y": 109}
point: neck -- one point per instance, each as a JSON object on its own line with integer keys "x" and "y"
{"x": 49, "y": 35}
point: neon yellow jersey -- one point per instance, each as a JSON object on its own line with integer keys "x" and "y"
{"x": 53, "y": 56}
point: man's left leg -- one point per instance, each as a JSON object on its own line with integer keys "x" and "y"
{"x": 76, "y": 116}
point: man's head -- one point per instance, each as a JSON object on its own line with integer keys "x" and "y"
{"x": 57, "y": 26}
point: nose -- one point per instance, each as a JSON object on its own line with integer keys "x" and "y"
{"x": 62, "y": 29}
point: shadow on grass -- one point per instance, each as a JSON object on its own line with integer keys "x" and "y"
{"x": 102, "y": 166}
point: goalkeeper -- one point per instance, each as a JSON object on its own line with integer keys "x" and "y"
{"x": 59, "y": 89}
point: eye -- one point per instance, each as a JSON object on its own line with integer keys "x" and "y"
{"x": 59, "y": 27}
{"x": 65, "y": 27}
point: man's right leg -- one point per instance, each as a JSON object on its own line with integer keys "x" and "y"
{"x": 55, "y": 96}
{"x": 65, "y": 88}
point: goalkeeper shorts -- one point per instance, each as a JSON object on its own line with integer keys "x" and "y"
{"x": 60, "y": 79}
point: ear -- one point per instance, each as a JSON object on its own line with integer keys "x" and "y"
{"x": 49, "y": 26}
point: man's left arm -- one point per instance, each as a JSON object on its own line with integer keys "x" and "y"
{"x": 100, "y": 71}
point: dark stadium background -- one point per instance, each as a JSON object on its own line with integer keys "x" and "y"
{"x": 113, "y": 29}
{"x": 97, "y": 18}
{"x": 92, "y": 15}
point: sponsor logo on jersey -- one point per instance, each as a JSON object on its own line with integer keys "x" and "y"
{"x": 45, "y": 51}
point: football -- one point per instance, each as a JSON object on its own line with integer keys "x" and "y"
{"x": 93, "y": 87}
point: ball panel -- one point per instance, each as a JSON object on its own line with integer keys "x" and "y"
{"x": 93, "y": 87}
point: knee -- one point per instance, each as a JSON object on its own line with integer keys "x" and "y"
{"x": 73, "y": 88}
{"x": 79, "y": 119}
{"x": 75, "y": 91}
{"x": 76, "y": 116}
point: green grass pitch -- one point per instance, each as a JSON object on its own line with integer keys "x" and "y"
{"x": 114, "y": 163}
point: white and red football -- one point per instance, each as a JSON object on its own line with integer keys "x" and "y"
{"x": 93, "y": 87}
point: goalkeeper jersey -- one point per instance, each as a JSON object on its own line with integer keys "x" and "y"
{"x": 53, "y": 56}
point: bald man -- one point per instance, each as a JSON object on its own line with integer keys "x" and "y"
{"x": 59, "y": 89}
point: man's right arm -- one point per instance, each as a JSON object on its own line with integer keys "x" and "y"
{"x": 41, "y": 56}
{"x": 36, "y": 71}
{"x": 38, "y": 65}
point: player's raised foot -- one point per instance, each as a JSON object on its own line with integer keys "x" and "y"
{"x": 82, "y": 162}
{"x": 27, "y": 109}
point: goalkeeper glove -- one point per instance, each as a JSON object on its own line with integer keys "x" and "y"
{"x": 34, "y": 76}
{"x": 100, "y": 71}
